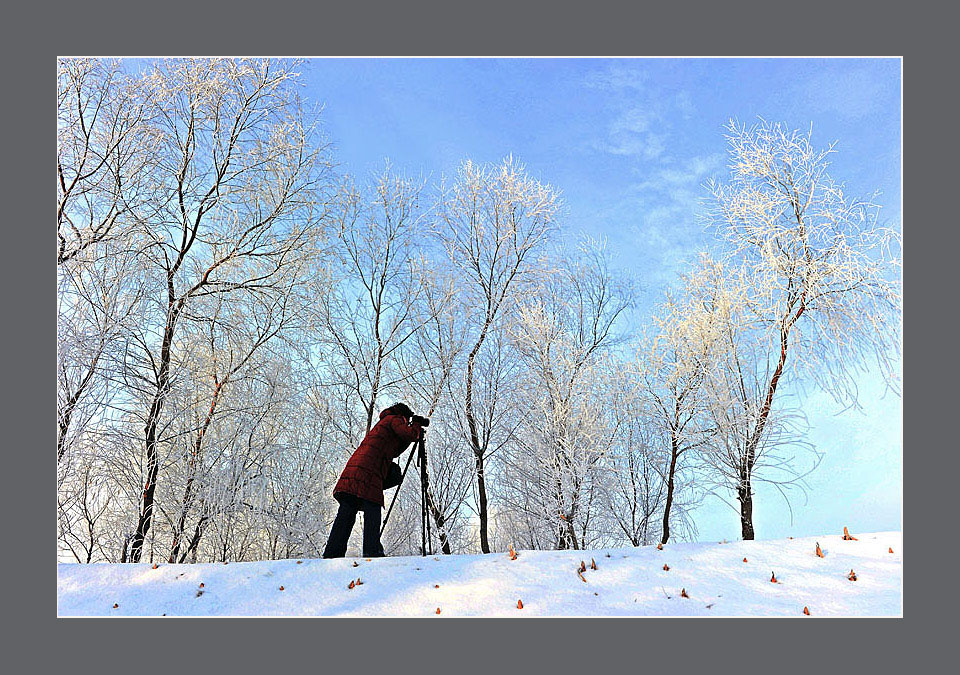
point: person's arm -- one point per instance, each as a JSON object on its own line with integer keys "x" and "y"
{"x": 408, "y": 432}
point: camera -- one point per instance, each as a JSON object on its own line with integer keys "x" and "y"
{"x": 422, "y": 421}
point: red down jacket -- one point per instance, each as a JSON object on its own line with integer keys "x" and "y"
{"x": 368, "y": 466}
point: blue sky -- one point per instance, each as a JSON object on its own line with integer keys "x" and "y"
{"x": 629, "y": 143}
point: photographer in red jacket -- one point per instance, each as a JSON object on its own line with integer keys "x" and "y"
{"x": 367, "y": 472}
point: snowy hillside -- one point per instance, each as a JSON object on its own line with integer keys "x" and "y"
{"x": 728, "y": 579}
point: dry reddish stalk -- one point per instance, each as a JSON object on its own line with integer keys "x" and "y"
{"x": 593, "y": 564}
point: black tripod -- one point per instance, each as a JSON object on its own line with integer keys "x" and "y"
{"x": 426, "y": 544}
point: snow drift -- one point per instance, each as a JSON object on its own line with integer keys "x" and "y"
{"x": 702, "y": 579}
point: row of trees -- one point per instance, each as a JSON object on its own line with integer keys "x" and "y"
{"x": 233, "y": 313}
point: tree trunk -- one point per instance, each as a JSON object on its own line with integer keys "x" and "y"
{"x": 371, "y": 406}
{"x": 66, "y": 414}
{"x": 744, "y": 490}
{"x": 438, "y": 516}
{"x": 482, "y": 499}
{"x": 670, "y": 484}
{"x": 475, "y": 441}
{"x": 572, "y": 536}
{"x": 195, "y": 457}
{"x": 746, "y": 511}
{"x": 195, "y": 541}
{"x": 182, "y": 522}
{"x": 439, "y": 519}
{"x": 64, "y": 424}
{"x": 558, "y": 486}
{"x": 150, "y": 431}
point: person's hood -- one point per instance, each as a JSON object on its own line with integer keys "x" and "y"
{"x": 392, "y": 410}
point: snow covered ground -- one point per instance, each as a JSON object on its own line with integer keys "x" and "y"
{"x": 626, "y": 582}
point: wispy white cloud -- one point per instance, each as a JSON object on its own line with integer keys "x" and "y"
{"x": 667, "y": 202}
{"x": 640, "y": 124}
{"x": 630, "y": 134}
{"x": 687, "y": 177}
{"x": 635, "y": 120}
{"x": 657, "y": 213}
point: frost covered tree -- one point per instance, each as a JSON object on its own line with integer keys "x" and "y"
{"x": 634, "y": 490}
{"x": 97, "y": 301}
{"x": 493, "y": 222}
{"x": 229, "y": 338}
{"x": 370, "y": 316}
{"x": 735, "y": 390}
{"x": 676, "y": 358}
{"x": 431, "y": 361}
{"x": 85, "y": 501}
{"x": 563, "y": 332}
{"x": 104, "y": 146}
{"x": 819, "y": 276}
{"x": 239, "y": 177}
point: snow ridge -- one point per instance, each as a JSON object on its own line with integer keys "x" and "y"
{"x": 686, "y": 579}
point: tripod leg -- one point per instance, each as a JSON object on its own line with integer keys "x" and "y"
{"x": 424, "y": 496}
{"x": 383, "y": 526}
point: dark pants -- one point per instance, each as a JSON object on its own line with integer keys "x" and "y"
{"x": 343, "y": 525}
